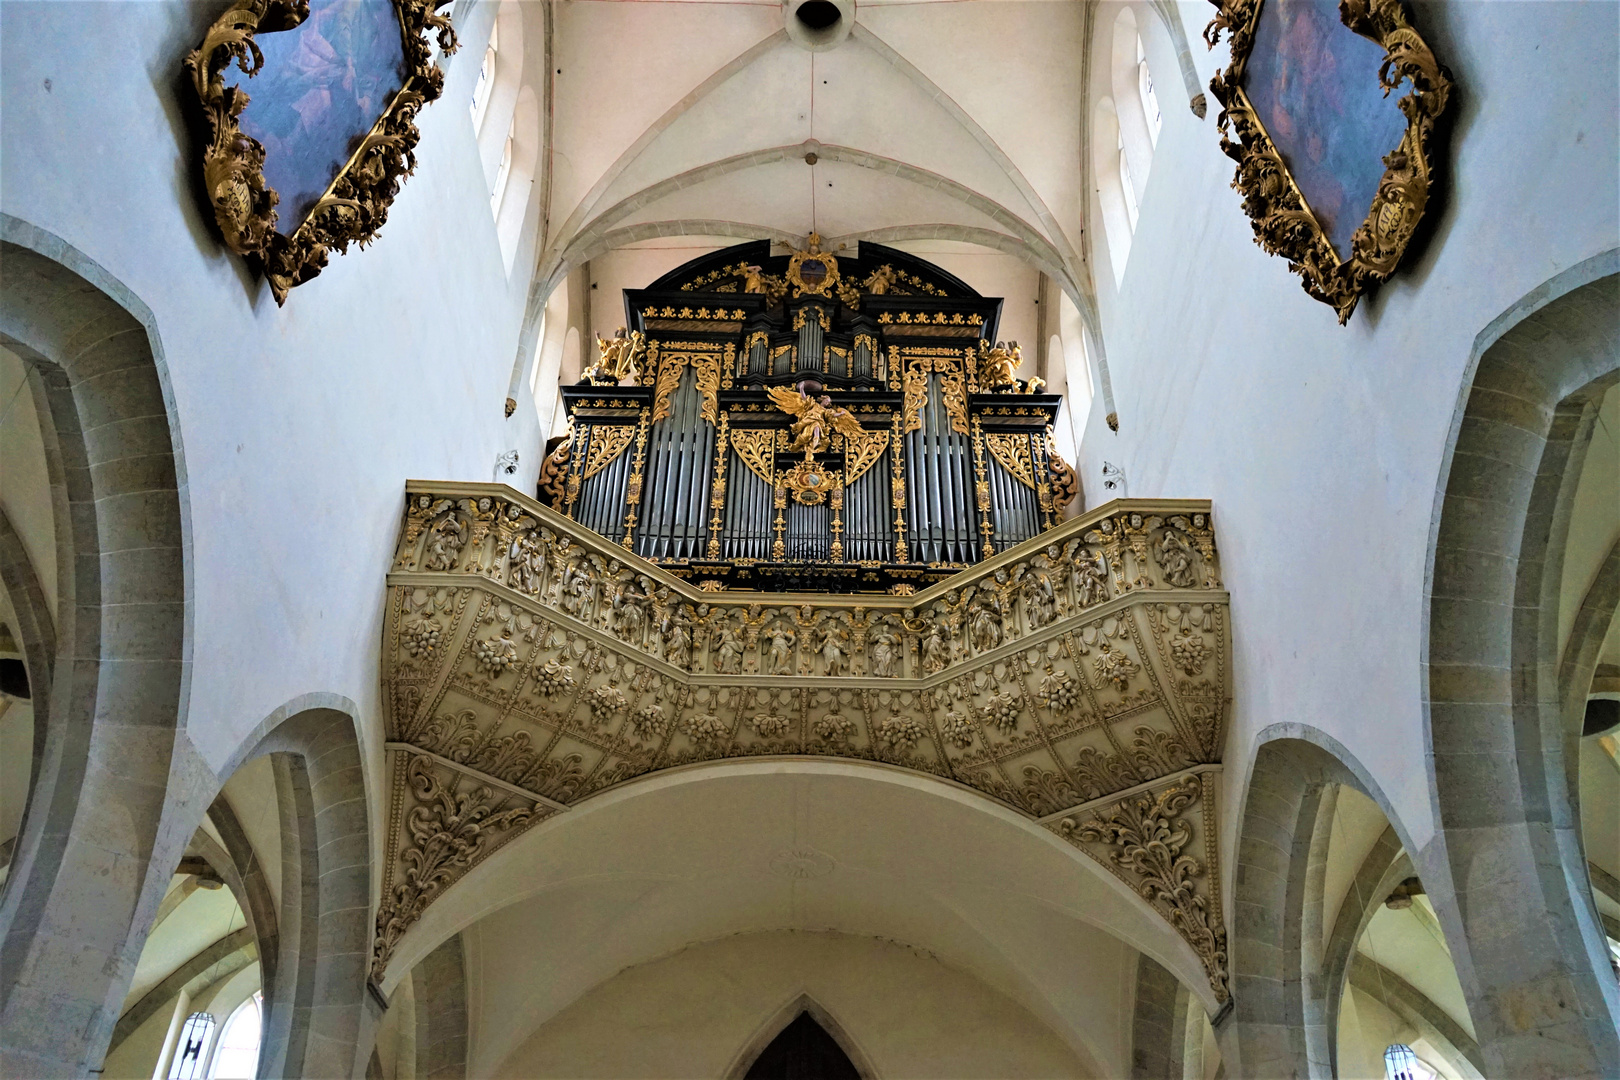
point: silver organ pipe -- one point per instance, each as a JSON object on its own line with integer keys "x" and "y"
{"x": 849, "y": 343}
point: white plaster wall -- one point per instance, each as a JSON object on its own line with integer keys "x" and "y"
{"x": 693, "y": 1013}
{"x": 299, "y": 424}
{"x": 1322, "y": 446}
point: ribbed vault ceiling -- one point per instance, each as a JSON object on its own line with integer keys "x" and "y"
{"x": 929, "y": 121}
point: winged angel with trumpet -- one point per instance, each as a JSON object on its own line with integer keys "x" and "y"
{"x": 815, "y": 419}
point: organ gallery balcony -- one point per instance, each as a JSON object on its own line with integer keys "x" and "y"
{"x": 1079, "y": 678}
{"x": 808, "y": 508}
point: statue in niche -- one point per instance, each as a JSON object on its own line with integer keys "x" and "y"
{"x": 984, "y": 625}
{"x": 780, "y": 653}
{"x": 616, "y": 359}
{"x": 816, "y": 418}
{"x": 630, "y": 603}
{"x": 526, "y": 562}
{"x": 1090, "y": 577}
{"x": 728, "y": 648}
{"x": 936, "y": 652}
{"x": 835, "y": 648}
{"x": 885, "y": 652}
{"x": 1040, "y": 602}
{"x": 445, "y": 541}
{"x": 678, "y": 636}
{"x": 1175, "y": 554}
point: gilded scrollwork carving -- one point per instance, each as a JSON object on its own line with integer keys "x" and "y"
{"x": 355, "y": 205}
{"x": 1283, "y": 223}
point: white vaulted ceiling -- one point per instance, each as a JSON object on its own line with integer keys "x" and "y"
{"x": 929, "y": 121}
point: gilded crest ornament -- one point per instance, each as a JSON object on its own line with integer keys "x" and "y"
{"x": 813, "y": 271}
{"x": 389, "y": 60}
{"x": 1303, "y": 200}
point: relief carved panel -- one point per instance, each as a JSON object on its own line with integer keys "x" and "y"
{"x": 529, "y": 664}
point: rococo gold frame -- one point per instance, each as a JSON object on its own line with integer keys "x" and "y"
{"x": 1283, "y": 222}
{"x": 356, "y": 203}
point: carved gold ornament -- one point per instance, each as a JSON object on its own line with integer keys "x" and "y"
{"x": 1014, "y": 454}
{"x": 669, "y": 366}
{"x": 813, "y": 272}
{"x": 815, "y": 419}
{"x": 608, "y": 441}
{"x": 1283, "y": 223}
{"x": 355, "y": 205}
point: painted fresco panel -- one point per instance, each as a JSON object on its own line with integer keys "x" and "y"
{"x": 1314, "y": 84}
{"x": 324, "y": 84}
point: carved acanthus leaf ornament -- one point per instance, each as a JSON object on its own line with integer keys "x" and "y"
{"x": 529, "y": 664}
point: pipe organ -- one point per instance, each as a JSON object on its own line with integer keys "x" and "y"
{"x": 809, "y": 421}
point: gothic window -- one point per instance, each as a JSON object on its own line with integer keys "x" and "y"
{"x": 1402, "y": 1063}
{"x": 486, "y": 78}
{"x": 1127, "y": 187}
{"x": 1144, "y": 88}
{"x": 801, "y": 1051}
{"x": 503, "y": 173}
{"x": 238, "y": 1055}
{"x": 192, "y": 1049}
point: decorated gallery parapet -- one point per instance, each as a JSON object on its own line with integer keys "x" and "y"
{"x": 1079, "y": 678}
{"x": 810, "y": 421}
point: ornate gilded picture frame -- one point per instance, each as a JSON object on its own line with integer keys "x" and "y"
{"x": 317, "y": 161}
{"x": 1335, "y": 173}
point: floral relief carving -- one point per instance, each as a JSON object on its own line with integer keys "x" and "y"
{"x": 1113, "y": 666}
{"x": 1144, "y": 838}
{"x": 591, "y": 637}
{"x": 447, "y": 832}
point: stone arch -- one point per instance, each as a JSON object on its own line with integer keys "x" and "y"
{"x": 1158, "y": 1023}
{"x": 784, "y": 1016}
{"x": 36, "y": 630}
{"x": 1280, "y": 1024}
{"x": 1540, "y": 995}
{"x": 320, "y": 1016}
{"x": 95, "y": 857}
{"x": 439, "y": 993}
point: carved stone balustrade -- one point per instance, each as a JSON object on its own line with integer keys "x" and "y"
{"x": 1080, "y": 678}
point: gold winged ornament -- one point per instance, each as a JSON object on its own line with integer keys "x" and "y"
{"x": 815, "y": 419}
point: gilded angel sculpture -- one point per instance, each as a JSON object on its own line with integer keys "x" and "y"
{"x": 816, "y": 419}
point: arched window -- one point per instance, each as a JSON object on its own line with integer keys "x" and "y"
{"x": 1402, "y": 1063}
{"x": 486, "y": 78}
{"x": 1126, "y": 186}
{"x": 1144, "y": 87}
{"x": 192, "y": 1050}
{"x": 503, "y": 173}
{"x": 238, "y": 1055}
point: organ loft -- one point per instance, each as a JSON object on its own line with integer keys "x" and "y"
{"x": 809, "y": 421}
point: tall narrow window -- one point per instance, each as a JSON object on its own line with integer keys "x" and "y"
{"x": 238, "y": 1054}
{"x": 486, "y": 78}
{"x": 1144, "y": 87}
{"x": 1127, "y": 185}
{"x": 504, "y": 173}
{"x": 192, "y": 1049}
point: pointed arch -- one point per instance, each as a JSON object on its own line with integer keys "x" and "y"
{"x": 800, "y": 1005}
